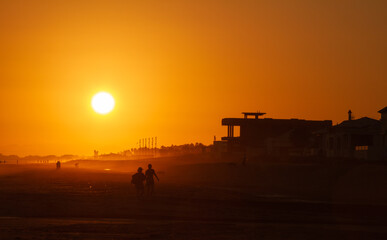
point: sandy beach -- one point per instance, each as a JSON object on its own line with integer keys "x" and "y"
{"x": 215, "y": 200}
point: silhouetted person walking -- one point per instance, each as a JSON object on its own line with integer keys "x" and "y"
{"x": 57, "y": 165}
{"x": 150, "y": 182}
{"x": 138, "y": 181}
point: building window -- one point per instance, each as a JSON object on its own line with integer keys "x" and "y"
{"x": 361, "y": 148}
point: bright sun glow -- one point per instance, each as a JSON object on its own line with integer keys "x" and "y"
{"x": 103, "y": 102}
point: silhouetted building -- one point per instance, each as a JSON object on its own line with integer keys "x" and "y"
{"x": 383, "y": 120}
{"x": 363, "y": 138}
{"x": 269, "y": 136}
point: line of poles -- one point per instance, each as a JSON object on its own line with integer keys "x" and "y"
{"x": 148, "y": 143}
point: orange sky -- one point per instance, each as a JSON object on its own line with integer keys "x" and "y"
{"x": 176, "y": 68}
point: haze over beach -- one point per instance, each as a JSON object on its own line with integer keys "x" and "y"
{"x": 202, "y": 119}
{"x": 175, "y": 68}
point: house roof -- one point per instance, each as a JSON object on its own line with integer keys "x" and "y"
{"x": 359, "y": 123}
{"x": 383, "y": 110}
{"x": 362, "y": 125}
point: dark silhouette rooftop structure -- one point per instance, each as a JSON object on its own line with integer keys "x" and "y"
{"x": 254, "y": 132}
{"x": 384, "y": 110}
{"x": 363, "y": 138}
{"x": 255, "y": 114}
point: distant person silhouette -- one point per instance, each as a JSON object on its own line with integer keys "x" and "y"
{"x": 150, "y": 182}
{"x": 138, "y": 181}
{"x": 57, "y": 165}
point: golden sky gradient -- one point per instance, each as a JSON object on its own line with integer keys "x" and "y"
{"x": 175, "y": 68}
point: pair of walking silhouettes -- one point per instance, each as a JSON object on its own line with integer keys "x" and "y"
{"x": 139, "y": 178}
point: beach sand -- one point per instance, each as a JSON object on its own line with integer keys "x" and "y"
{"x": 195, "y": 199}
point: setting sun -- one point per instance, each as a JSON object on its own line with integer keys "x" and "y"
{"x": 103, "y": 103}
